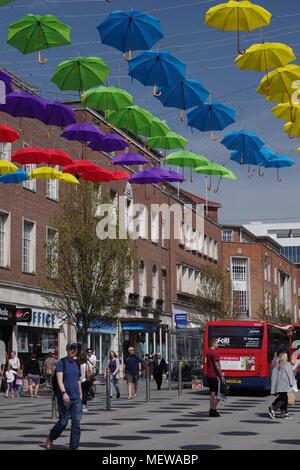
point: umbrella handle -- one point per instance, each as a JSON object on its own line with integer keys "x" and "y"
{"x": 155, "y": 93}
{"x": 209, "y": 185}
{"x": 290, "y": 135}
{"x": 278, "y": 177}
{"x": 128, "y": 57}
{"x": 249, "y": 172}
{"x": 260, "y": 173}
{"x": 218, "y": 186}
{"x": 238, "y": 36}
{"x": 213, "y": 137}
{"x": 40, "y": 60}
{"x": 181, "y": 115}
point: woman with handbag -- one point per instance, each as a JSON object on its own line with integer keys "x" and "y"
{"x": 84, "y": 379}
{"x": 282, "y": 382}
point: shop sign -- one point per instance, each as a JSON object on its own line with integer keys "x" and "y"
{"x": 23, "y": 315}
{"x": 181, "y": 320}
{"x": 7, "y": 313}
{"x": 43, "y": 319}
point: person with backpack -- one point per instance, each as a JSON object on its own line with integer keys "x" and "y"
{"x": 67, "y": 389}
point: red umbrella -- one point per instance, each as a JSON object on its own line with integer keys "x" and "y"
{"x": 8, "y": 134}
{"x": 100, "y": 175}
{"x": 80, "y": 166}
{"x": 120, "y": 175}
{"x": 28, "y": 155}
{"x": 58, "y": 157}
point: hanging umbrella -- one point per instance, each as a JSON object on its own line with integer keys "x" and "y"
{"x": 8, "y": 134}
{"x": 130, "y": 31}
{"x": 24, "y": 105}
{"x": 292, "y": 129}
{"x": 6, "y": 79}
{"x": 213, "y": 169}
{"x": 58, "y": 114}
{"x": 120, "y": 175}
{"x": 183, "y": 95}
{"x": 79, "y": 166}
{"x": 186, "y": 159}
{"x": 107, "y": 143}
{"x": 145, "y": 177}
{"x": 167, "y": 175}
{"x": 7, "y": 167}
{"x": 14, "y": 178}
{"x": 157, "y": 69}
{"x": 45, "y": 173}
{"x": 277, "y": 161}
{"x": 96, "y": 175}
{"x": 237, "y": 16}
{"x": 277, "y": 85}
{"x": 130, "y": 158}
{"x": 133, "y": 118}
{"x": 82, "y": 132}
{"x": 80, "y": 73}
{"x": 211, "y": 117}
{"x": 30, "y": 155}
{"x": 106, "y": 98}
{"x": 256, "y": 158}
{"x": 68, "y": 178}
{"x": 169, "y": 141}
{"x": 58, "y": 157}
{"x": 34, "y": 33}
{"x": 284, "y": 111}
{"x": 157, "y": 128}
{"x": 243, "y": 141}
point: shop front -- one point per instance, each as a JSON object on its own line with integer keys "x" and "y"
{"x": 102, "y": 338}
{"x": 7, "y": 320}
{"x": 147, "y": 336}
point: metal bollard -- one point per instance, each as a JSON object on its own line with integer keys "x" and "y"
{"x": 179, "y": 378}
{"x": 108, "y": 401}
{"x": 169, "y": 362}
{"x": 147, "y": 384}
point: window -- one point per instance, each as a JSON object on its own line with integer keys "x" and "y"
{"x": 52, "y": 240}
{"x": 128, "y": 195}
{"x": 211, "y": 247}
{"x": 5, "y": 151}
{"x": 200, "y": 242}
{"x": 52, "y": 187}
{"x": 29, "y": 184}
{"x": 216, "y": 251}
{"x": 227, "y": 235}
{"x": 143, "y": 222}
{"x": 155, "y": 285}
{"x": 205, "y": 246}
{"x": 239, "y": 278}
{"x": 28, "y": 247}
{"x": 4, "y": 240}
{"x": 275, "y": 275}
{"x": 142, "y": 281}
{"x": 164, "y": 284}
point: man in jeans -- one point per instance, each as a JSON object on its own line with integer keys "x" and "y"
{"x": 214, "y": 376}
{"x": 69, "y": 397}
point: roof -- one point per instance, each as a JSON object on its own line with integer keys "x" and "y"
{"x": 198, "y": 199}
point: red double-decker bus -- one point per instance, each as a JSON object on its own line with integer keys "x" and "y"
{"x": 246, "y": 350}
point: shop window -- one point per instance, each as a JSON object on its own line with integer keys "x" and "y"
{"x": 52, "y": 188}
{"x": 5, "y": 151}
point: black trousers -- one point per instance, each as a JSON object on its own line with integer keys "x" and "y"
{"x": 85, "y": 387}
{"x": 281, "y": 402}
{"x": 158, "y": 379}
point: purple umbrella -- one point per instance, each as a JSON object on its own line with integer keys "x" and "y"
{"x": 108, "y": 143}
{"x": 4, "y": 77}
{"x": 82, "y": 132}
{"x": 58, "y": 114}
{"x": 145, "y": 177}
{"x": 167, "y": 175}
{"x": 23, "y": 105}
{"x": 129, "y": 158}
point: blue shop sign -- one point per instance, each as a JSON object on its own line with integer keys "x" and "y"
{"x": 101, "y": 326}
{"x": 181, "y": 320}
{"x": 148, "y": 327}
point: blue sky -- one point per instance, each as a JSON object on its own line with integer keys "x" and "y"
{"x": 209, "y": 56}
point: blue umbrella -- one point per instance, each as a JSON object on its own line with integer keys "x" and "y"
{"x": 130, "y": 31}
{"x": 183, "y": 95}
{"x": 157, "y": 68}
{"x": 250, "y": 158}
{"x": 211, "y": 117}
{"x": 14, "y": 178}
{"x": 274, "y": 160}
{"x": 243, "y": 141}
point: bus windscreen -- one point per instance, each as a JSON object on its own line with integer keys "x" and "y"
{"x": 237, "y": 337}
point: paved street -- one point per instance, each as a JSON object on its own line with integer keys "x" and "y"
{"x": 169, "y": 422}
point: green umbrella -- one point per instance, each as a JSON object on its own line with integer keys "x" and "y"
{"x": 171, "y": 140}
{"x": 158, "y": 128}
{"x": 34, "y": 33}
{"x": 104, "y": 98}
{"x": 3, "y": 2}
{"x": 184, "y": 159}
{"x": 133, "y": 118}
{"x": 214, "y": 169}
{"x": 80, "y": 73}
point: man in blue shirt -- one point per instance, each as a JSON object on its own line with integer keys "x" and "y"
{"x": 132, "y": 372}
{"x": 69, "y": 396}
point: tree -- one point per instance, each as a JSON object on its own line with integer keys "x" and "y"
{"x": 275, "y": 312}
{"x": 87, "y": 276}
{"x": 213, "y": 299}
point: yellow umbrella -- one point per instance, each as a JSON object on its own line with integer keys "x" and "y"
{"x": 45, "y": 173}
{"x": 283, "y": 111}
{"x": 265, "y": 56}
{"x": 7, "y": 167}
{"x": 292, "y": 129}
{"x": 237, "y": 16}
{"x": 68, "y": 178}
{"x": 298, "y": 149}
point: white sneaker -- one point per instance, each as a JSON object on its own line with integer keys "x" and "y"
{"x": 271, "y": 413}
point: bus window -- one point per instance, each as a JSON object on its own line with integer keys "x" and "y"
{"x": 277, "y": 339}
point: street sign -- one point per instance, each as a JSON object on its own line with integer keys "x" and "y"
{"x": 181, "y": 320}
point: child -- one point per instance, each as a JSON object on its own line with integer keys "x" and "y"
{"x": 10, "y": 377}
{"x": 19, "y": 382}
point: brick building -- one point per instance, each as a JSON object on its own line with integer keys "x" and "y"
{"x": 168, "y": 268}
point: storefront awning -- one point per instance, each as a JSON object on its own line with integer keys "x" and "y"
{"x": 136, "y": 325}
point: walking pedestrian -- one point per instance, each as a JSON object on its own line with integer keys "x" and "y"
{"x": 92, "y": 361}
{"x": 19, "y": 382}
{"x": 146, "y": 362}
{"x": 32, "y": 372}
{"x": 14, "y": 363}
{"x": 10, "y": 380}
{"x": 48, "y": 370}
{"x": 114, "y": 367}
{"x": 85, "y": 367}
{"x": 69, "y": 397}
{"x": 132, "y": 372}
{"x": 159, "y": 367}
{"x": 282, "y": 382}
{"x": 214, "y": 376}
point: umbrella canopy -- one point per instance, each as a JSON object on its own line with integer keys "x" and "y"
{"x": 145, "y": 177}
{"x": 277, "y": 85}
{"x": 237, "y": 16}
{"x": 157, "y": 68}
{"x": 120, "y": 175}
{"x": 80, "y": 73}
{"x": 167, "y": 175}
{"x": 97, "y": 175}
{"x": 186, "y": 159}
{"x": 275, "y": 160}
{"x": 45, "y": 173}
{"x": 67, "y": 178}
{"x": 213, "y": 169}
{"x": 24, "y": 105}
{"x": 133, "y": 118}
{"x": 243, "y": 141}
{"x": 169, "y": 141}
{"x": 105, "y": 98}
{"x": 292, "y": 129}
{"x": 8, "y": 134}
{"x": 268, "y": 55}
{"x": 249, "y": 158}
{"x": 211, "y": 117}
{"x": 183, "y": 95}
{"x": 7, "y": 167}
{"x": 30, "y": 155}
{"x": 6, "y": 79}
{"x": 107, "y": 143}
{"x": 82, "y": 132}
{"x": 79, "y": 166}
{"x": 157, "y": 128}
{"x": 285, "y": 111}
{"x": 58, "y": 157}
{"x": 130, "y": 31}
{"x": 58, "y": 114}
{"x": 130, "y": 158}
{"x": 14, "y": 178}
{"x": 34, "y": 33}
